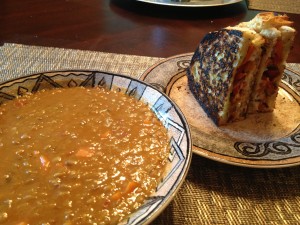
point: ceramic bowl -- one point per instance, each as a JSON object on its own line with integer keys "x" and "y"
{"x": 166, "y": 110}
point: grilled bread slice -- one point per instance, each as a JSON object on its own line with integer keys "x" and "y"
{"x": 279, "y": 35}
{"x": 222, "y": 72}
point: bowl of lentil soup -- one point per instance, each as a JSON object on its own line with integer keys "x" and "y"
{"x": 88, "y": 147}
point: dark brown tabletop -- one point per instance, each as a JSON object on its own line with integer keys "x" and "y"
{"x": 119, "y": 26}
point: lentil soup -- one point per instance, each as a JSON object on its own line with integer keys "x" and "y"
{"x": 77, "y": 156}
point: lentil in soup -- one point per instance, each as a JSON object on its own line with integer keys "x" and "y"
{"x": 77, "y": 156}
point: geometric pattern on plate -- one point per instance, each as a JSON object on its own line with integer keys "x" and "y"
{"x": 274, "y": 143}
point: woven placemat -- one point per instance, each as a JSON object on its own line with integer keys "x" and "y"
{"x": 213, "y": 193}
{"x": 284, "y": 6}
{"x": 17, "y": 60}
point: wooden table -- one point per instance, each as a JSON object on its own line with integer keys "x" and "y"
{"x": 118, "y": 26}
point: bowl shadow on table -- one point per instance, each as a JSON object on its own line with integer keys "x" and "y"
{"x": 173, "y": 12}
{"x": 216, "y": 193}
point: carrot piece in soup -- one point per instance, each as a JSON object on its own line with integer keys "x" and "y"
{"x": 147, "y": 122}
{"x": 20, "y": 102}
{"x": 131, "y": 186}
{"x": 116, "y": 196}
{"x": 106, "y": 134}
{"x": 84, "y": 152}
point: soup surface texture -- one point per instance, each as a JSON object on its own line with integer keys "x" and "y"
{"x": 77, "y": 156}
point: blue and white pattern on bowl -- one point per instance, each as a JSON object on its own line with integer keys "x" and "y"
{"x": 170, "y": 115}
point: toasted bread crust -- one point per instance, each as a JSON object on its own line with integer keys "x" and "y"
{"x": 211, "y": 71}
{"x": 273, "y": 19}
{"x": 267, "y": 20}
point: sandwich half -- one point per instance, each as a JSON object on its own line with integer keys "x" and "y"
{"x": 279, "y": 37}
{"x": 223, "y": 70}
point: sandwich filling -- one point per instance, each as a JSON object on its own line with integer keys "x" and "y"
{"x": 242, "y": 83}
{"x": 279, "y": 36}
{"x": 269, "y": 83}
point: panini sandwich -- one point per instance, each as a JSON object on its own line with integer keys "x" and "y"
{"x": 237, "y": 70}
{"x": 222, "y": 72}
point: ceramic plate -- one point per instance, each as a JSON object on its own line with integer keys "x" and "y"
{"x": 191, "y": 3}
{"x": 170, "y": 115}
{"x": 265, "y": 140}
